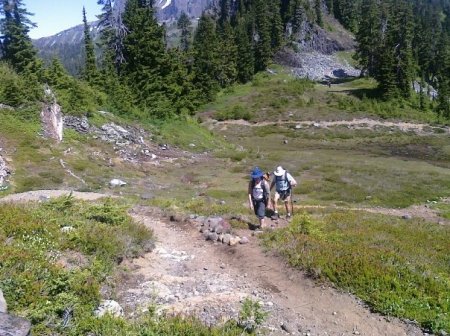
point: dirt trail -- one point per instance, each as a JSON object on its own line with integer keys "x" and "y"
{"x": 41, "y": 195}
{"x": 363, "y": 123}
{"x": 186, "y": 274}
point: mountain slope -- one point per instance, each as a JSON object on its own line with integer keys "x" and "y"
{"x": 68, "y": 44}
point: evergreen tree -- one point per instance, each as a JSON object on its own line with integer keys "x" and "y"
{"x": 224, "y": 12}
{"x": 112, "y": 34}
{"x": 228, "y": 55}
{"x": 146, "y": 63}
{"x": 263, "y": 50}
{"x": 330, "y": 6}
{"x": 298, "y": 15}
{"x": 443, "y": 76}
{"x": 369, "y": 37}
{"x": 285, "y": 12}
{"x": 17, "y": 48}
{"x": 347, "y": 12}
{"x": 318, "y": 10}
{"x": 401, "y": 32}
{"x": 206, "y": 59}
{"x": 277, "y": 26}
{"x": 246, "y": 62}
{"x": 90, "y": 68}
{"x": 184, "y": 24}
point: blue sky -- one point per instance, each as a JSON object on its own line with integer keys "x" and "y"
{"x": 53, "y": 16}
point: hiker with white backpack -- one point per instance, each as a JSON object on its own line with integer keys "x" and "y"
{"x": 283, "y": 182}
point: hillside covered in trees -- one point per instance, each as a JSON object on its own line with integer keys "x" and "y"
{"x": 399, "y": 42}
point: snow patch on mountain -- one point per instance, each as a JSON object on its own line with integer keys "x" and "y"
{"x": 164, "y": 3}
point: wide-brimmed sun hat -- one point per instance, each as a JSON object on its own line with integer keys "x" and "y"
{"x": 256, "y": 173}
{"x": 279, "y": 171}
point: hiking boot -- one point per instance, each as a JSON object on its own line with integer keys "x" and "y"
{"x": 275, "y": 216}
{"x": 288, "y": 216}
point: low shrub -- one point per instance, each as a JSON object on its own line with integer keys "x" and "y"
{"x": 385, "y": 261}
{"x": 34, "y": 280}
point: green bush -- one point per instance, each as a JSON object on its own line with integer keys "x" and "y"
{"x": 234, "y": 113}
{"x": 17, "y": 90}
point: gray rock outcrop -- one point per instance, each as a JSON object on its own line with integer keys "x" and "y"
{"x": 4, "y": 170}
{"x": 3, "y": 306}
{"x": 51, "y": 117}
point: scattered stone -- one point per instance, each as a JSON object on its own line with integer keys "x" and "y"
{"x": 116, "y": 183}
{"x": 234, "y": 241}
{"x": 147, "y": 196}
{"x": 67, "y": 229}
{"x": 212, "y": 236}
{"x": 285, "y": 142}
{"x": 192, "y": 145}
{"x": 44, "y": 198}
{"x": 226, "y": 239}
{"x": 6, "y": 107}
{"x": 163, "y": 146}
{"x": 244, "y": 240}
{"x": 407, "y": 216}
{"x": 14, "y": 326}
{"x": 110, "y": 307}
{"x": 298, "y": 126}
{"x": 287, "y": 328}
{"x": 81, "y": 125}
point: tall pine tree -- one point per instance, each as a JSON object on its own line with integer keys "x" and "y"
{"x": 184, "y": 25}
{"x": 16, "y": 46}
{"x": 206, "y": 59}
{"x": 146, "y": 63}
{"x": 263, "y": 49}
{"x": 369, "y": 37}
{"x": 90, "y": 73}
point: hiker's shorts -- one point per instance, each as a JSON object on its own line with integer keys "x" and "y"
{"x": 283, "y": 195}
{"x": 260, "y": 208}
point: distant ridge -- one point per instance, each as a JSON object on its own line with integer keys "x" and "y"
{"x": 67, "y": 45}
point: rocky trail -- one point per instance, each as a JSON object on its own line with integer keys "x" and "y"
{"x": 187, "y": 275}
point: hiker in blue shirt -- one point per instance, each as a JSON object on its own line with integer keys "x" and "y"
{"x": 258, "y": 194}
{"x": 283, "y": 182}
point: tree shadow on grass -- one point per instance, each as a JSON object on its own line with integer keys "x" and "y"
{"x": 371, "y": 93}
